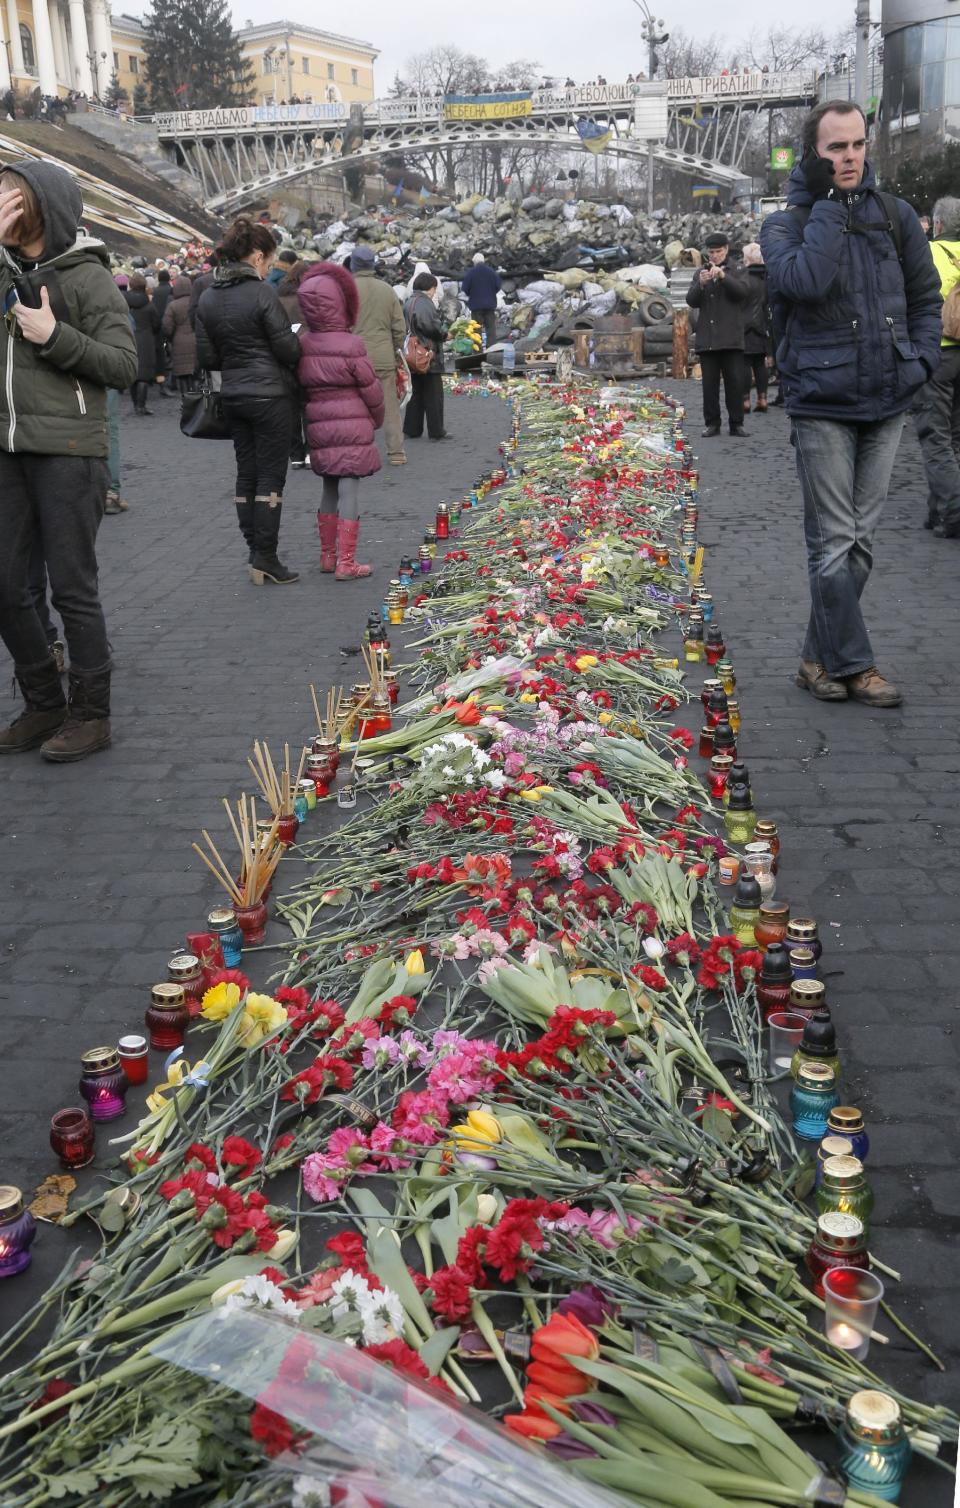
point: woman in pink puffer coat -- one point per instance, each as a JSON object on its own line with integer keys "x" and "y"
{"x": 344, "y": 408}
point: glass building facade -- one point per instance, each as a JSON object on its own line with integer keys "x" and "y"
{"x": 921, "y": 73}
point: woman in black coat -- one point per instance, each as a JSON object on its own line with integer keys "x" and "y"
{"x": 757, "y": 328}
{"x": 146, "y": 329}
{"x": 243, "y": 333}
{"x": 425, "y": 321}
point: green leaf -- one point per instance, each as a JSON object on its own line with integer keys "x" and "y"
{"x": 518, "y": 1131}
{"x": 386, "y": 1260}
{"x": 717, "y": 1123}
{"x": 433, "y": 1352}
{"x": 730, "y": 1235}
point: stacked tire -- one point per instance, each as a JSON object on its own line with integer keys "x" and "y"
{"x": 658, "y": 341}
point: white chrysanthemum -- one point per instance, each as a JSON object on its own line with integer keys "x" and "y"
{"x": 350, "y": 1292}
{"x": 258, "y": 1292}
{"x": 381, "y": 1315}
{"x": 308, "y": 1493}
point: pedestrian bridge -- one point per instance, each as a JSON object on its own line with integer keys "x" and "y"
{"x": 698, "y": 125}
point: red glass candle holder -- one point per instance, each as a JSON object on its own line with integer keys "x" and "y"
{"x": 208, "y": 950}
{"x": 166, "y": 1017}
{"x": 287, "y": 826}
{"x": 133, "y": 1058}
{"x": 252, "y": 921}
{"x": 706, "y": 743}
{"x": 72, "y": 1138}
{"x": 719, "y": 773}
{"x": 184, "y": 969}
{"x": 443, "y": 522}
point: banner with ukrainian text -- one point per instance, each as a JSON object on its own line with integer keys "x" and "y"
{"x": 487, "y": 106}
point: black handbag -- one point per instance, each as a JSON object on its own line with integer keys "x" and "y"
{"x": 202, "y": 416}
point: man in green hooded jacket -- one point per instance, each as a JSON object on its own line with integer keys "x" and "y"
{"x": 65, "y": 340}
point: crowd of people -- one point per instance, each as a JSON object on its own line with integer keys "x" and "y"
{"x": 309, "y": 359}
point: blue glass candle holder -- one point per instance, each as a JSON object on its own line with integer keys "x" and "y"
{"x": 812, "y": 1097}
{"x": 875, "y": 1452}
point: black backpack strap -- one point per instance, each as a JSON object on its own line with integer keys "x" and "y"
{"x": 49, "y": 279}
{"x": 891, "y": 208}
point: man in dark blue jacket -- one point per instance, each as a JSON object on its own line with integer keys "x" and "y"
{"x": 856, "y": 310}
{"x": 480, "y": 288}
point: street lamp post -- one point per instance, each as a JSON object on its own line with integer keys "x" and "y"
{"x": 652, "y": 32}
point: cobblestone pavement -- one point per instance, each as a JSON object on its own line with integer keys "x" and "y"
{"x": 866, "y": 802}
{"x": 99, "y": 884}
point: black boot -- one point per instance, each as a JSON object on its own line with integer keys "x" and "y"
{"x": 140, "y": 400}
{"x": 87, "y": 727}
{"x": 245, "y": 520}
{"x": 45, "y": 708}
{"x": 264, "y": 564}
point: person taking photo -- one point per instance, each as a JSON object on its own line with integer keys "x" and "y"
{"x": 66, "y": 340}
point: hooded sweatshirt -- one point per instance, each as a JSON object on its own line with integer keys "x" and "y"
{"x": 857, "y": 326}
{"x": 53, "y": 397}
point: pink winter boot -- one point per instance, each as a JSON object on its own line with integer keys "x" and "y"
{"x": 327, "y": 524}
{"x": 348, "y": 530}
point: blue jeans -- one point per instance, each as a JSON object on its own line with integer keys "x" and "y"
{"x": 113, "y": 436}
{"x": 844, "y": 472}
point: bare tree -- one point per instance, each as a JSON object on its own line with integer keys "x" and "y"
{"x": 686, "y": 56}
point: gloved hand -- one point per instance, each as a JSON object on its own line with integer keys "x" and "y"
{"x": 819, "y": 175}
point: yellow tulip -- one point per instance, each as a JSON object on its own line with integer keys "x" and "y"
{"x": 221, "y": 1294}
{"x": 493, "y": 706}
{"x": 283, "y": 1245}
{"x": 487, "y": 1209}
{"x": 526, "y": 696}
{"x": 584, "y": 662}
{"x": 414, "y": 962}
{"x": 478, "y": 1133}
{"x": 220, "y": 1001}
{"x": 604, "y": 718}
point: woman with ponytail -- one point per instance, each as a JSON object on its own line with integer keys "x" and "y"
{"x": 243, "y": 333}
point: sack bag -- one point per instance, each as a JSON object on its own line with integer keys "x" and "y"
{"x": 418, "y": 356}
{"x": 951, "y": 304}
{"x": 202, "y": 416}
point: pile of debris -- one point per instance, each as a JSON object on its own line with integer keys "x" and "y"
{"x": 577, "y": 256}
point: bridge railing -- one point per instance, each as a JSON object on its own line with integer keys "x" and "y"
{"x": 713, "y": 89}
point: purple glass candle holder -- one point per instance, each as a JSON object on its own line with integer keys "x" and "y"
{"x": 17, "y": 1230}
{"x": 103, "y": 1083}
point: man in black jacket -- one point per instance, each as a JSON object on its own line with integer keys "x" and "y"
{"x": 719, "y": 291}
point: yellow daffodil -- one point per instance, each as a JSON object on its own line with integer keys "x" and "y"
{"x": 413, "y": 963}
{"x": 262, "y": 1016}
{"x": 219, "y": 1001}
{"x": 478, "y": 1133}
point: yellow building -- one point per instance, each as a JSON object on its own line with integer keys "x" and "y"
{"x": 294, "y": 61}
{"x": 78, "y": 44}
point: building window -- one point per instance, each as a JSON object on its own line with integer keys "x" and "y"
{"x": 116, "y": 62}
{"x": 306, "y": 64}
{"x": 354, "y": 76}
{"x": 26, "y": 43}
{"x": 134, "y": 64}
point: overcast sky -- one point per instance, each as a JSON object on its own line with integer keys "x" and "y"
{"x": 568, "y": 36}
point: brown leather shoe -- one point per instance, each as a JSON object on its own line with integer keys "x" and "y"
{"x": 870, "y": 688}
{"x": 813, "y": 677}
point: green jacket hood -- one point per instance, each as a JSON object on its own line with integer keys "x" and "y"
{"x": 61, "y": 202}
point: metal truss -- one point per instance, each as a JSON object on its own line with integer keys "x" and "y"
{"x": 237, "y": 155}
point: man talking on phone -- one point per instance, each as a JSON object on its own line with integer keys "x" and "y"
{"x": 856, "y": 312}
